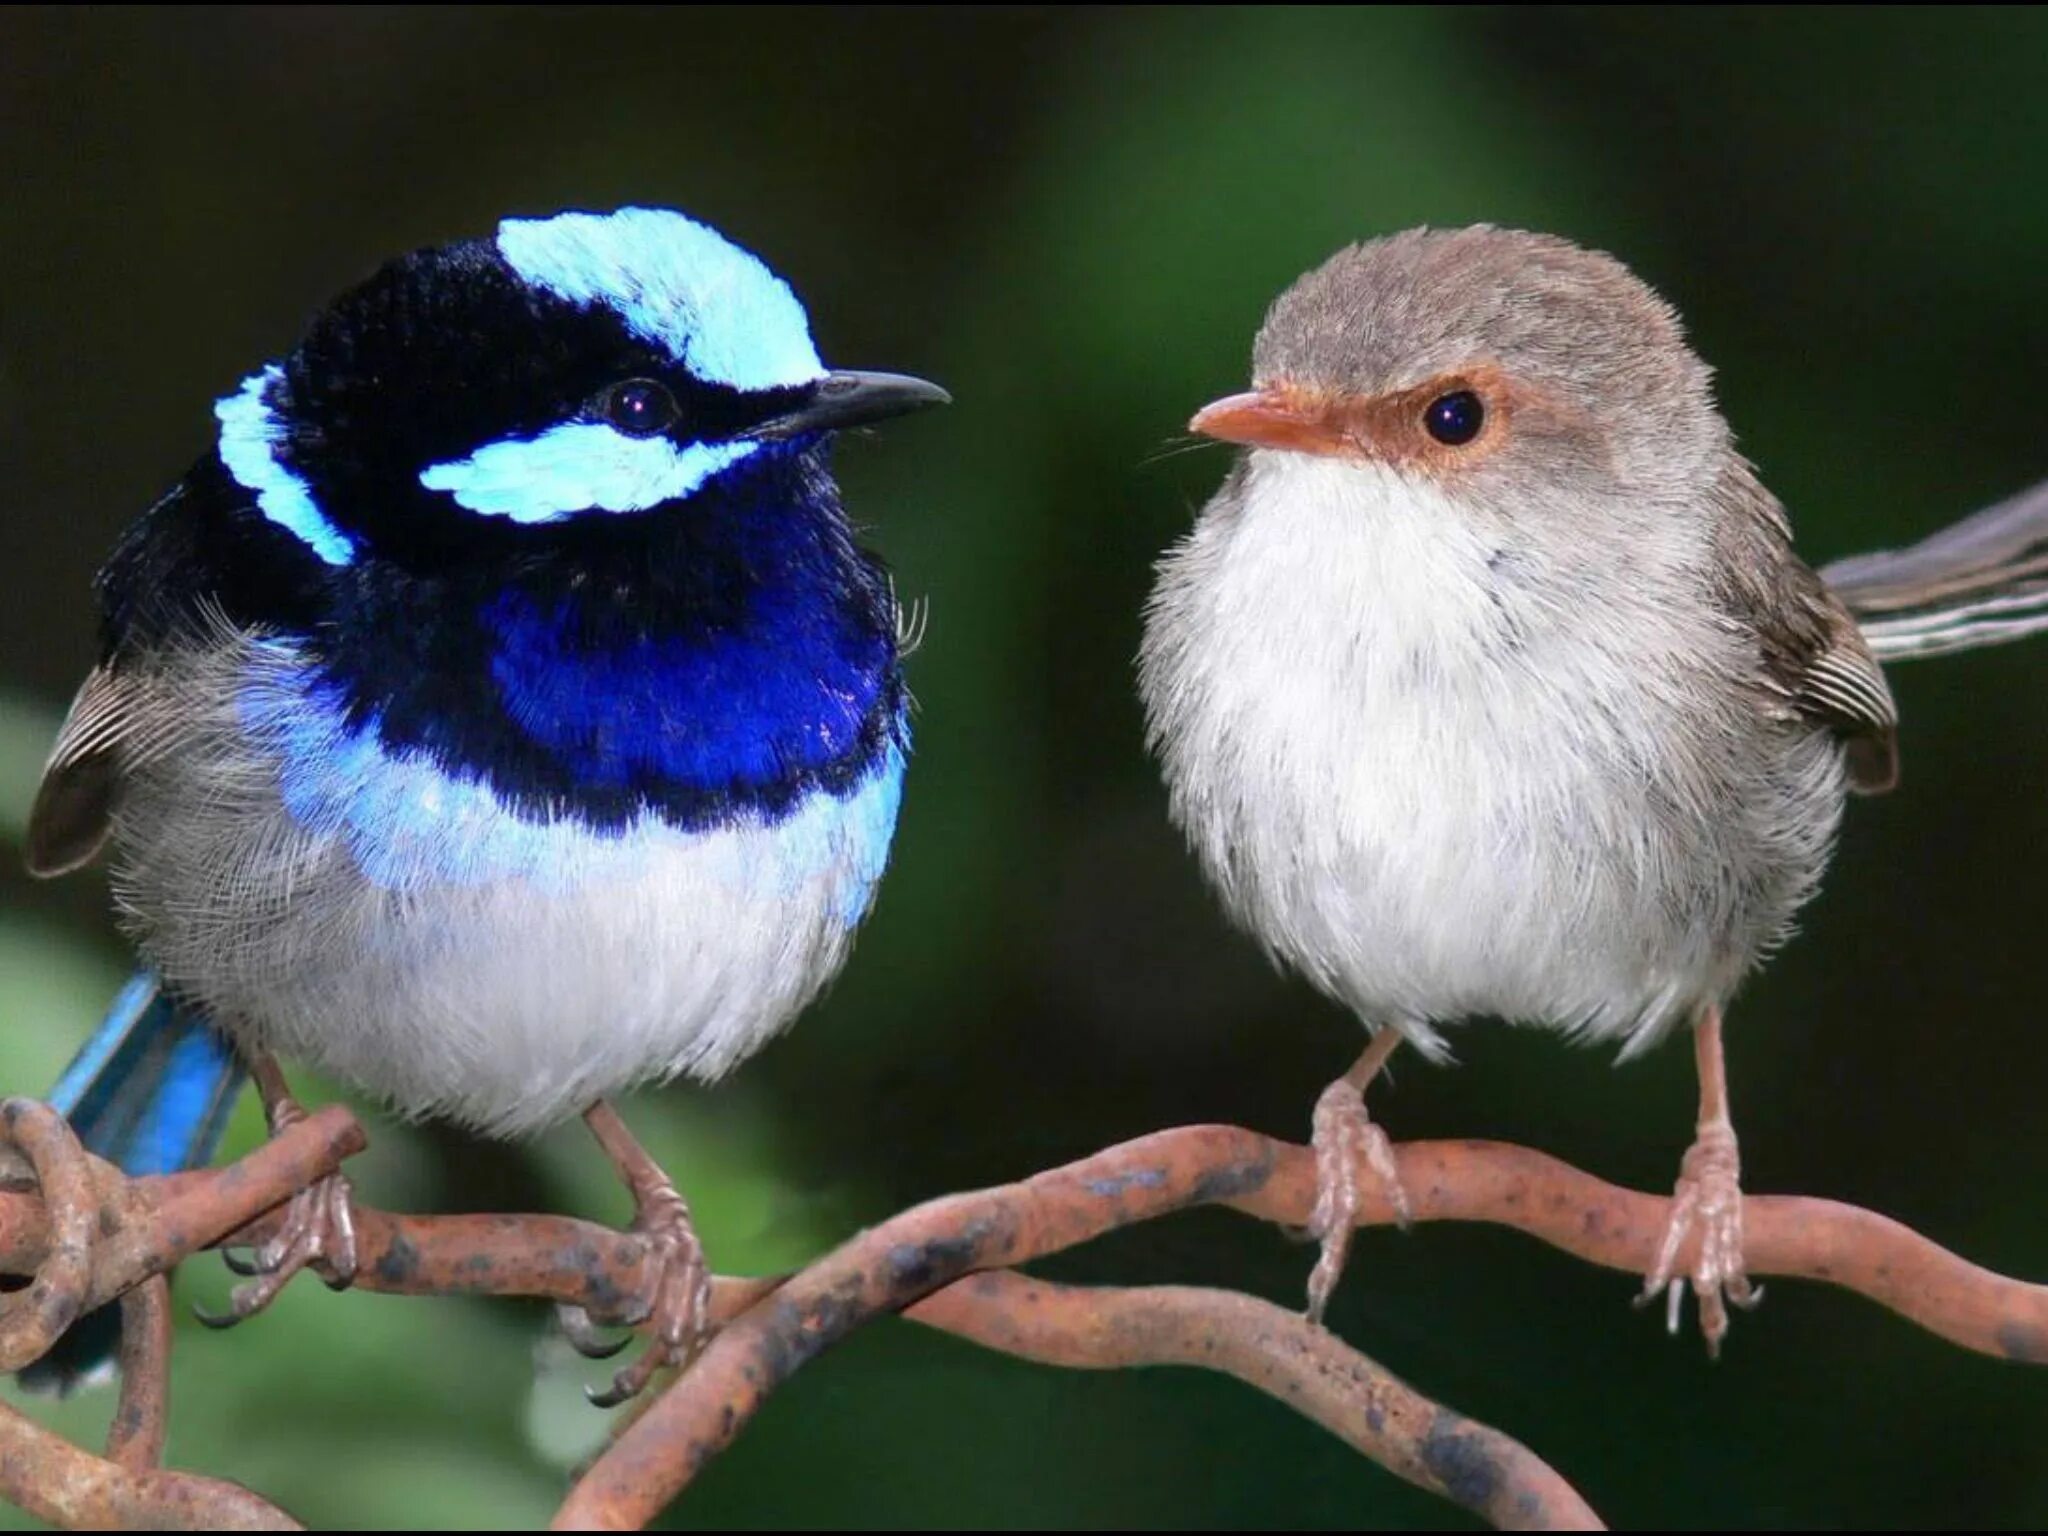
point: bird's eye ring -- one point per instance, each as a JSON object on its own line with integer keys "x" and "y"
{"x": 1455, "y": 419}
{"x": 638, "y": 407}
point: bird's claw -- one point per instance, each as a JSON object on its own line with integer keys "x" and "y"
{"x": 318, "y": 1233}
{"x": 678, "y": 1310}
{"x": 1708, "y": 1196}
{"x": 1344, "y": 1138}
{"x": 586, "y": 1335}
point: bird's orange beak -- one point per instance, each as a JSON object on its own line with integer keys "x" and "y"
{"x": 1279, "y": 416}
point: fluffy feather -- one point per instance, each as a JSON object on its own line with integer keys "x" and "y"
{"x": 1444, "y": 780}
{"x": 454, "y": 957}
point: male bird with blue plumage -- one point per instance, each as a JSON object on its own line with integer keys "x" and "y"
{"x": 501, "y": 715}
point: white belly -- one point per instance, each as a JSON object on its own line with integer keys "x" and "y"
{"x": 1414, "y": 783}
{"x": 403, "y": 932}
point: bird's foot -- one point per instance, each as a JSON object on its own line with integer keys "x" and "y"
{"x": 318, "y": 1233}
{"x": 675, "y": 1306}
{"x": 1708, "y": 1197}
{"x": 1345, "y": 1138}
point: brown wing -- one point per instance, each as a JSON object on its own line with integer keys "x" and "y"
{"x": 1816, "y": 665}
{"x": 111, "y": 727}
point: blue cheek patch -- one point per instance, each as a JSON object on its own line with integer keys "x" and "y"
{"x": 581, "y": 467}
{"x": 248, "y": 435}
{"x": 677, "y": 283}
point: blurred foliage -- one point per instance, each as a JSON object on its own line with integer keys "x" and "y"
{"x": 1074, "y": 220}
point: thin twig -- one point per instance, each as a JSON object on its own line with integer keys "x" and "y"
{"x": 35, "y": 1319}
{"x": 774, "y": 1326}
{"x": 559, "y": 1258}
{"x": 918, "y": 1252}
{"x": 58, "y": 1483}
{"x": 115, "y": 1232}
{"x": 92, "y": 1236}
{"x": 1283, "y": 1355}
{"x": 135, "y": 1438}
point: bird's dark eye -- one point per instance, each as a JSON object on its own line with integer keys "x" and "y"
{"x": 1455, "y": 419}
{"x": 639, "y": 407}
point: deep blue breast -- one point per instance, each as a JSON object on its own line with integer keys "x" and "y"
{"x": 724, "y": 656}
{"x": 783, "y": 695}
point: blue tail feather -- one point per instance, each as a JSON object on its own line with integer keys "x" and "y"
{"x": 150, "y": 1092}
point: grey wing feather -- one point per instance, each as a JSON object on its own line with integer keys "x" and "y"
{"x": 1843, "y": 687}
{"x": 111, "y": 728}
{"x": 1982, "y": 581}
{"x": 1816, "y": 662}
{"x": 1995, "y": 546}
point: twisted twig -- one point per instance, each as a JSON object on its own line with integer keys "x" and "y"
{"x": 89, "y": 1237}
{"x": 35, "y": 1319}
{"x": 921, "y": 1250}
{"x": 57, "y": 1482}
{"x": 135, "y": 1439}
{"x": 774, "y": 1326}
{"x": 1282, "y": 1354}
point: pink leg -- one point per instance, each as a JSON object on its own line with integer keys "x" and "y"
{"x": 319, "y": 1229}
{"x": 680, "y": 1302}
{"x": 1344, "y": 1136}
{"x": 1708, "y": 1197}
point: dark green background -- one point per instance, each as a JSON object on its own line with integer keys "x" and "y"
{"x": 1075, "y": 220}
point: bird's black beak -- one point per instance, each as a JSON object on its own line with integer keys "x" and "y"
{"x": 851, "y": 400}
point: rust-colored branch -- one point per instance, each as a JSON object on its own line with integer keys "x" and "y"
{"x": 73, "y": 1489}
{"x": 1790, "y": 1236}
{"x": 135, "y": 1438}
{"x": 560, "y": 1258}
{"x": 918, "y": 1252}
{"x": 33, "y": 1320}
{"x": 91, "y": 1236}
{"x": 61, "y": 1484}
{"x": 913, "y": 1263}
{"x": 1283, "y": 1355}
{"x": 114, "y": 1233}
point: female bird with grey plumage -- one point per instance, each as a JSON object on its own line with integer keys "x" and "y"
{"x": 1489, "y": 684}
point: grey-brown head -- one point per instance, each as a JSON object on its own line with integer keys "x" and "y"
{"x": 1488, "y": 359}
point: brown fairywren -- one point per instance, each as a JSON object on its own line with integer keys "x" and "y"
{"x": 1489, "y": 683}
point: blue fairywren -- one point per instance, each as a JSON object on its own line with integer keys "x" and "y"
{"x": 501, "y": 714}
{"x": 1489, "y": 682}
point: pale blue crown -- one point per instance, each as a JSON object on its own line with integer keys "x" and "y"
{"x": 716, "y": 308}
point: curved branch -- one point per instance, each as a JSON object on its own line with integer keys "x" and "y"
{"x": 144, "y": 1226}
{"x": 1283, "y": 1355}
{"x": 55, "y": 1481}
{"x": 560, "y": 1258}
{"x": 1790, "y": 1236}
{"x": 922, "y": 1250}
{"x": 91, "y": 1236}
{"x": 33, "y": 1320}
{"x": 135, "y": 1438}
{"x": 113, "y": 1233}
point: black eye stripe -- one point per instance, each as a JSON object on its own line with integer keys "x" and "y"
{"x": 1455, "y": 419}
{"x": 638, "y": 407}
